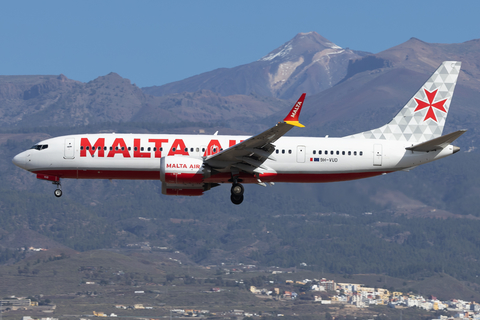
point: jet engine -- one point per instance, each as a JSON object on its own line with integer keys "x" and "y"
{"x": 183, "y": 176}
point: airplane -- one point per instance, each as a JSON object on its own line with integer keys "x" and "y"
{"x": 189, "y": 165}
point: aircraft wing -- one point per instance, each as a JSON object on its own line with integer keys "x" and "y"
{"x": 437, "y": 143}
{"x": 249, "y": 155}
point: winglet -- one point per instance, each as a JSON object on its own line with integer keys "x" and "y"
{"x": 292, "y": 117}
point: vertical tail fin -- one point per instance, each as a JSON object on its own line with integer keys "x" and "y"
{"x": 423, "y": 117}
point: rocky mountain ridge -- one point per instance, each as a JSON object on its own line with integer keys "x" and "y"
{"x": 307, "y": 63}
{"x": 42, "y": 101}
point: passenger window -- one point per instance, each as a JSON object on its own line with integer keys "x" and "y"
{"x": 354, "y": 153}
{"x": 361, "y": 153}
{"x": 289, "y": 151}
{"x": 135, "y": 149}
{"x": 203, "y": 149}
{"x": 283, "y": 151}
{"x": 343, "y": 153}
{"x": 111, "y": 148}
{"x": 88, "y": 148}
{"x": 105, "y": 148}
{"x": 129, "y": 148}
{"x": 173, "y": 149}
{"x": 277, "y": 151}
{"x": 141, "y": 148}
{"x": 81, "y": 148}
{"x": 314, "y": 152}
{"x": 197, "y": 149}
{"x": 349, "y": 153}
{"x": 338, "y": 152}
{"x": 161, "y": 149}
{"x": 123, "y": 148}
{"x": 191, "y": 149}
{"x": 149, "y": 149}
{"x": 331, "y": 152}
{"x": 319, "y": 151}
{"x": 154, "y": 148}
{"x": 186, "y": 149}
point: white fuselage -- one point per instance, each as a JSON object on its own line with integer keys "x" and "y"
{"x": 295, "y": 159}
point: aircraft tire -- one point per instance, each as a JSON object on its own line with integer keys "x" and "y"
{"x": 57, "y": 193}
{"x": 236, "y": 199}
{"x": 237, "y": 189}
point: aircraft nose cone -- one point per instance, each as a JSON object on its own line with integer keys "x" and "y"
{"x": 19, "y": 160}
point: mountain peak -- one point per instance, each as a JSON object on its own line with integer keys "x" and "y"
{"x": 313, "y": 37}
{"x": 299, "y": 45}
{"x": 307, "y": 63}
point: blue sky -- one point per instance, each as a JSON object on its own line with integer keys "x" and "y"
{"x": 157, "y": 42}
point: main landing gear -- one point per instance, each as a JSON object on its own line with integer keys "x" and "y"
{"x": 58, "y": 191}
{"x": 237, "y": 192}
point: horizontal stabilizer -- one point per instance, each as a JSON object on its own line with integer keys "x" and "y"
{"x": 437, "y": 143}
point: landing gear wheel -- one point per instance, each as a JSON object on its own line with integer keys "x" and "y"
{"x": 236, "y": 199}
{"x": 57, "y": 193}
{"x": 237, "y": 189}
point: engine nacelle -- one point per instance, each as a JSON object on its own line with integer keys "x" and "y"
{"x": 178, "y": 170}
{"x": 183, "y": 176}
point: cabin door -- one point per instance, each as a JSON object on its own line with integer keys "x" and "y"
{"x": 377, "y": 154}
{"x": 300, "y": 154}
{"x": 69, "y": 152}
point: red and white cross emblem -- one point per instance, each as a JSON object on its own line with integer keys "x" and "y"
{"x": 430, "y": 105}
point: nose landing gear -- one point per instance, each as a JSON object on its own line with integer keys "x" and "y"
{"x": 58, "y": 191}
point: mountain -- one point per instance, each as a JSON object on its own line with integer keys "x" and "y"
{"x": 422, "y": 57}
{"x": 57, "y": 100}
{"x": 307, "y": 63}
{"x": 45, "y": 101}
{"x": 323, "y": 225}
{"x": 378, "y": 85}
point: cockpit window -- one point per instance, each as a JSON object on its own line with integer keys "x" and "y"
{"x": 40, "y": 146}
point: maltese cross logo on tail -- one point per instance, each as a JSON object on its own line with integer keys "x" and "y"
{"x": 430, "y": 105}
